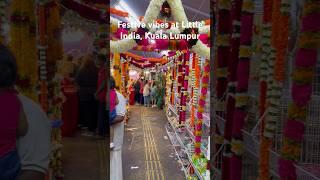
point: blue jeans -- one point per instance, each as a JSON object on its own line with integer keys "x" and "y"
{"x": 10, "y": 166}
{"x": 146, "y": 100}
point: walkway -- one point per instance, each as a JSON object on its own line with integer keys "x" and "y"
{"x": 84, "y": 158}
{"x": 147, "y": 151}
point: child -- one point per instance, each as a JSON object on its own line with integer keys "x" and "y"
{"x": 12, "y": 119}
{"x": 113, "y": 102}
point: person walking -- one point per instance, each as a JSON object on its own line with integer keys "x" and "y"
{"x": 117, "y": 127}
{"x": 12, "y": 117}
{"x": 86, "y": 79}
{"x": 101, "y": 95}
{"x": 146, "y": 94}
{"x": 141, "y": 91}
{"x": 153, "y": 94}
{"x": 137, "y": 91}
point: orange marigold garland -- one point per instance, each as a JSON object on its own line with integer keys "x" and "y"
{"x": 280, "y": 32}
{"x": 306, "y": 58}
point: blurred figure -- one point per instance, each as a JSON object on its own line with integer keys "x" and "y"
{"x": 153, "y": 94}
{"x": 12, "y": 118}
{"x": 35, "y": 160}
{"x": 137, "y": 91}
{"x": 101, "y": 96}
{"x": 146, "y": 94}
{"x": 87, "y": 79}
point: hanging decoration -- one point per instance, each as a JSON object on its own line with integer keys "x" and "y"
{"x": 89, "y": 12}
{"x": 241, "y": 97}
{"x": 280, "y": 33}
{"x": 223, "y": 48}
{"x": 152, "y": 13}
{"x": 23, "y": 45}
{"x": 118, "y": 12}
{"x": 232, "y": 69}
{"x": 306, "y": 58}
{"x": 266, "y": 50}
{"x": 184, "y": 89}
{"x": 116, "y": 69}
{"x": 201, "y": 106}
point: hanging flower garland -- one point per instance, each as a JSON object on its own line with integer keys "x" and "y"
{"x": 280, "y": 32}
{"x": 303, "y": 74}
{"x": 223, "y": 48}
{"x": 151, "y": 15}
{"x": 201, "y": 106}
{"x": 243, "y": 73}
{"x": 266, "y": 44}
{"x": 23, "y": 45}
{"x": 184, "y": 89}
{"x": 232, "y": 69}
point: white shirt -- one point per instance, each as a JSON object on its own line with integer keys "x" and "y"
{"x": 118, "y": 129}
{"x": 121, "y": 106}
{"x": 34, "y": 148}
{"x": 146, "y": 90}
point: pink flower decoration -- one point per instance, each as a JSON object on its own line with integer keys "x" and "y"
{"x": 207, "y": 68}
{"x": 204, "y": 91}
{"x": 197, "y": 150}
{"x": 204, "y": 38}
{"x": 198, "y": 138}
{"x": 119, "y": 32}
{"x": 183, "y": 44}
{"x": 243, "y": 74}
{"x": 199, "y": 115}
{"x": 246, "y": 29}
{"x": 306, "y": 57}
{"x": 311, "y": 22}
{"x": 205, "y": 80}
{"x": 162, "y": 44}
{"x": 202, "y": 103}
{"x": 198, "y": 128}
{"x": 286, "y": 169}
{"x": 301, "y": 94}
{"x": 238, "y": 121}
{"x": 294, "y": 130}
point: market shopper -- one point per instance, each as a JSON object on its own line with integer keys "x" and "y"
{"x": 12, "y": 118}
{"x": 137, "y": 91}
{"x": 35, "y": 147}
{"x": 86, "y": 79}
{"x": 153, "y": 94}
{"x": 146, "y": 94}
{"x": 118, "y": 133}
{"x": 101, "y": 97}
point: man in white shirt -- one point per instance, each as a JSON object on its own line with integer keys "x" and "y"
{"x": 35, "y": 147}
{"x": 118, "y": 133}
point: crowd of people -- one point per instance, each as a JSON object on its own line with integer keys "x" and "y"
{"x": 146, "y": 92}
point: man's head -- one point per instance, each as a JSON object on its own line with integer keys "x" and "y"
{"x": 8, "y": 68}
{"x": 70, "y": 58}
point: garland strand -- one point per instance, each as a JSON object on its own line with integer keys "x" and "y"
{"x": 184, "y": 89}
{"x": 280, "y": 32}
{"x": 243, "y": 72}
{"x": 302, "y": 78}
{"x": 202, "y": 103}
{"x": 232, "y": 69}
{"x": 266, "y": 44}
